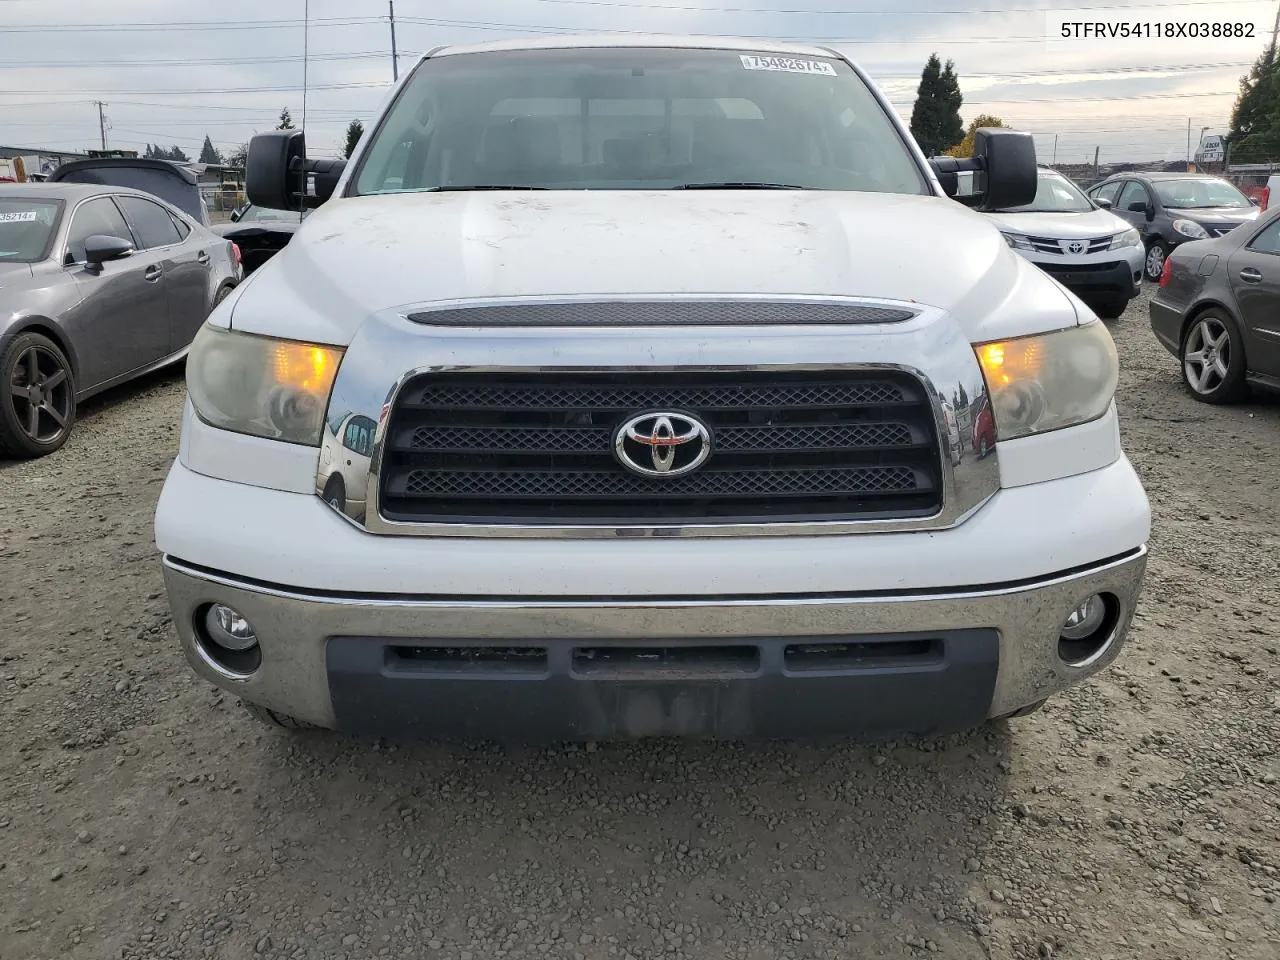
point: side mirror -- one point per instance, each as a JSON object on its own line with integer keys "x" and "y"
{"x": 1002, "y": 172}
{"x": 1009, "y": 158}
{"x": 1103, "y": 202}
{"x": 237, "y": 214}
{"x": 1137, "y": 206}
{"x": 279, "y": 176}
{"x": 100, "y": 248}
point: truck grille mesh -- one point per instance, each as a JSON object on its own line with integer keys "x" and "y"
{"x": 534, "y": 448}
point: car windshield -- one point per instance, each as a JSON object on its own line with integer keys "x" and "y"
{"x": 1054, "y": 194}
{"x": 269, "y": 214}
{"x": 635, "y": 119}
{"x": 26, "y": 229}
{"x": 1199, "y": 192}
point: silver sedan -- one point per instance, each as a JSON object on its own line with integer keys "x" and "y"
{"x": 98, "y": 285}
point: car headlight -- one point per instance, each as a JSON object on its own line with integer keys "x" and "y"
{"x": 1051, "y": 380}
{"x": 260, "y": 385}
{"x": 1189, "y": 228}
{"x": 1017, "y": 241}
{"x": 1130, "y": 238}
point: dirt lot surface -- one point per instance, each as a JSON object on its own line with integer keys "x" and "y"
{"x": 143, "y": 815}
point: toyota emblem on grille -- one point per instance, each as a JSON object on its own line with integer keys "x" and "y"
{"x": 662, "y": 444}
{"x": 1075, "y": 246}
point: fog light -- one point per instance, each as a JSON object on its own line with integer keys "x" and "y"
{"x": 228, "y": 628}
{"x": 1085, "y": 619}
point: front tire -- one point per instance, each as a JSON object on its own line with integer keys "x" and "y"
{"x": 1156, "y": 254}
{"x": 1112, "y": 308}
{"x": 1213, "y": 361}
{"x": 37, "y": 397}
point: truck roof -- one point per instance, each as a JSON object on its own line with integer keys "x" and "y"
{"x": 670, "y": 41}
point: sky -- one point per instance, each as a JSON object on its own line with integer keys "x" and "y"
{"x": 226, "y": 69}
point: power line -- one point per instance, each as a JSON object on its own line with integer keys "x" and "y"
{"x": 1143, "y": 4}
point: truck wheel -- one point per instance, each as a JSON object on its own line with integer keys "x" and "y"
{"x": 37, "y": 397}
{"x": 273, "y": 719}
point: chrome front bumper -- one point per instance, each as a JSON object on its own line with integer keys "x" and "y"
{"x": 299, "y": 631}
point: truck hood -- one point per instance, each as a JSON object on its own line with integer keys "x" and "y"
{"x": 355, "y": 257}
{"x": 1061, "y": 226}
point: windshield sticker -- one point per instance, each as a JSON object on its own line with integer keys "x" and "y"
{"x": 787, "y": 65}
{"x": 20, "y": 216}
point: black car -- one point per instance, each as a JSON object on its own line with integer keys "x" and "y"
{"x": 1218, "y": 311}
{"x": 1169, "y": 209}
{"x": 260, "y": 232}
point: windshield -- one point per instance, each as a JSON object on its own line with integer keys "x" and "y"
{"x": 1201, "y": 192}
{"x": 26, "y": 229}
{"x": 269, "y": 214}
{"x": 635, "y": 119}
{"x": 1054, "y": 194}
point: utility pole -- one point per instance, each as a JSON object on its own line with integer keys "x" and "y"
{"x": 102, "y": 123}
{"x": 1055, "y": 150}
{"x": 1095, "y": 160}
{"x": 1188, "y": 143}
{"x": 395, "y": 59}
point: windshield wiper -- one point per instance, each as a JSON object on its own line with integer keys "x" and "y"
{"x": 740, "y": 185}
{"x": 463, "y": 188}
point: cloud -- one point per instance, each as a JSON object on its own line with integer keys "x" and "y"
{"x": 227, "y": 69}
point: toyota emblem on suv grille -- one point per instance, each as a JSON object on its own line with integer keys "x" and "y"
{"x": 662, "y": 444}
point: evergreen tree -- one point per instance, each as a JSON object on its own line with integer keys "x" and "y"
{"x": 935, "y": 118}
{"x": 175, "y": 153}
{"x": 1255, "y": 119}
{"x": 286, "y": 120}
{"x": 355, "y": 130}
{"x": 209, "y": 153}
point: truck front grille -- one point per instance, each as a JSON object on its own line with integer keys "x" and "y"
{"x": 532, "y": 448}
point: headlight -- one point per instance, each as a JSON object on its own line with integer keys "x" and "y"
{"x": 1017, "y": 241}
{"x": 1050, "y": 381}
{"x": 1189, "y": 228}
{"x": 261, "y": 386}
{"x": 1130, "y": 238}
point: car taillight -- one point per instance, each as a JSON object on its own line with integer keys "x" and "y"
{"x": 1266, "y": 198}
{"x": 1166, "y": 272}
{"x": 235, "y": 252}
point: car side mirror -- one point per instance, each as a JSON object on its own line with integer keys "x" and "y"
{"x": 1102, "y": 202}
{"x": 100, "y": 248}
{"x": 279, "y": 176}
{"x": 1137, "y": 206}
{"x": 1002, "y": 171}
{"x": 237, "y": 214}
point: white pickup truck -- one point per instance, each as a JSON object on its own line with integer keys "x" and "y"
{"x": 617, "y": 388}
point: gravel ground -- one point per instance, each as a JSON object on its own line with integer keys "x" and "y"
{"x": 143, "y": 815}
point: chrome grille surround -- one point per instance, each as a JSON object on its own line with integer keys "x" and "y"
{"x": 928, "y": 347}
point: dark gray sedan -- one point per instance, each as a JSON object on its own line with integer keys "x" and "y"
{"x": 1218, "y": 311}
{"x": 98, "y": 285}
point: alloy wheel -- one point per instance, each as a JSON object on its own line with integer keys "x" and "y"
{"x": 1207, "y": 357}
{"x": 1155, "y": 261}
{"x": 40, "y": 395}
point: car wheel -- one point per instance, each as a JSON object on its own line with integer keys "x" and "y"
{"x": 37, "y": 397}
{"x": 1111, "y": 308}
{"x": 1156, "y": 253}
{"x": 1213, "y": 362}
{"x": 335, "y": 493}
{"x": 222, "y": 294}
{"x": 273, "y": 719}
